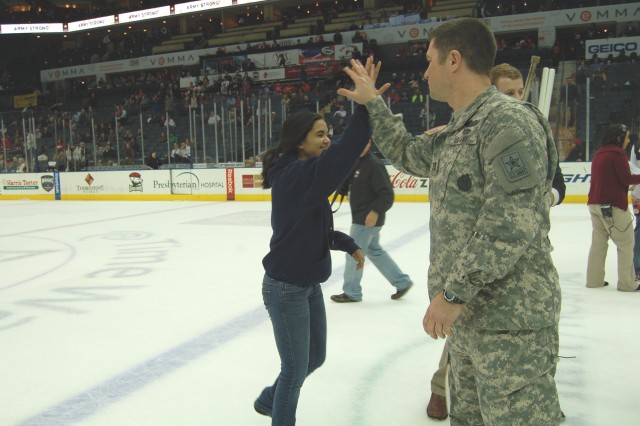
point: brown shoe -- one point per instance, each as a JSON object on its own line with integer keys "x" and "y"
{"x": 342, "y": 298}
{"x": 398, "y": 294}
{"x": 437, "y": 408}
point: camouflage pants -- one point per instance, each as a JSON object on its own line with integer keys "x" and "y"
{"x": 503, "y": 378}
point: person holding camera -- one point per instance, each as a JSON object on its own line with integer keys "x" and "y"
{"x": 609, "y": 208}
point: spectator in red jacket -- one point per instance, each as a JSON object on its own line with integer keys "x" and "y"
{"x": 609, "y": 208}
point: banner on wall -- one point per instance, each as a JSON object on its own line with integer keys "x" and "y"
{"x": 200, "y": 182}
{"x": 546, "y": 36}
{"x": 29, "y": 184}
{"x": 316, "y": 54}
{"x": 231, "y": 184}
{"x": 25, "y": 101}
{"x": 320, "y": 69}
{"x": 612, "y": 46}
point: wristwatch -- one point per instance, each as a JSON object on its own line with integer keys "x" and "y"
{"x": 452, "y": 298}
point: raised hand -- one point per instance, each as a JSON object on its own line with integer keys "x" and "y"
{"x": 364, "y": 77}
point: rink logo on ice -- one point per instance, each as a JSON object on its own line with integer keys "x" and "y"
{"x": 131, "y": 256}
{"x": 47, "y": 182}
{"x": 20, "y": 184}
{"x": 136, "y": 182}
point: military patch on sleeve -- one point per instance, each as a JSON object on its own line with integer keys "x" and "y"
{"x": 513, "y": 166}
{"x": 512, "y": 159}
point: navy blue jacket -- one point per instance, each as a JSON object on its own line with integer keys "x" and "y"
{"x": 301, "y": 216}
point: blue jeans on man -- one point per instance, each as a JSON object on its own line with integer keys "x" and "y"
{"x": 299, "y": 322}
{"x": 368, "y": 237}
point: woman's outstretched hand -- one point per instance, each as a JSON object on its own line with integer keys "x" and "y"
{"x": 364, "y": 78}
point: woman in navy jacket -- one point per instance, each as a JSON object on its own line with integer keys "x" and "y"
{"x": 302, "y": 172}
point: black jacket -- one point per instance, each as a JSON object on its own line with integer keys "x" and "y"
{"x": 370, "y": 190}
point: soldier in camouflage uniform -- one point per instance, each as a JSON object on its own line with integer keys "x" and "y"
{"x": 494, "y": 290}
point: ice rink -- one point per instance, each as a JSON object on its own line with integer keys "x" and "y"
{"x": 150, "y": 313}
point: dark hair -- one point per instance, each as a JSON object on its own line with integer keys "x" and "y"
{"x": 469, "y": 36}
{"x": 614, "y": 134}
{"x": 294, "y": 131}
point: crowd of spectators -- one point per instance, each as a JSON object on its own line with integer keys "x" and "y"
{"x": 138, "y": 40}
{"x": 164, "y": 111}
{"x": 156, "y": 97}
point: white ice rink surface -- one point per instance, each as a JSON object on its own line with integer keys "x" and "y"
{"x": 150, "y": 313}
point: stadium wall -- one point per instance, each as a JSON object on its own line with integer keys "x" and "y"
{"x": 221, "y": 184}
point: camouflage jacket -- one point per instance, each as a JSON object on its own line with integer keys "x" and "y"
{"x": 489, "y": 170}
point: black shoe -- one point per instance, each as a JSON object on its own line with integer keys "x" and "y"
{"x": 342, "y": 298}
{"x": 398, "y": 294}
{"x": 260, "y": 410}
{"x": 606, "y": 283}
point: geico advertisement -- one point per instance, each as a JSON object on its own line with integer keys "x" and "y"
{"x": 612, "y": 46}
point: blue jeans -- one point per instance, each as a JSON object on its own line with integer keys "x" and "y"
{"x": 636, "y": 246}
{"x": 300, "y": 329}
{"x": 368, "y": 238}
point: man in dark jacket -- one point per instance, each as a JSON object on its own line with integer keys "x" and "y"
{"x": 370, "y": 197}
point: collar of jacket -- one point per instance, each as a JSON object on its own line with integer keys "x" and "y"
{"x": 612, "y": 148}
{"x": 458, "y": 123}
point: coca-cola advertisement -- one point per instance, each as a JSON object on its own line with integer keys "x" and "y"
{"x": 407, "y": 187}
